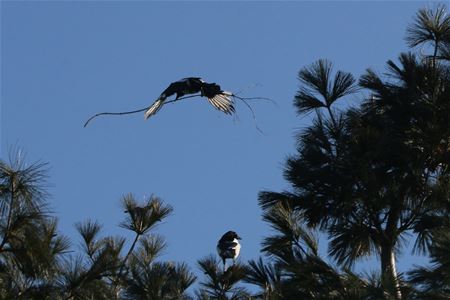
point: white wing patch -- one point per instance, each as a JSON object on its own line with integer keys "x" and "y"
{"x": 222, "y": 102}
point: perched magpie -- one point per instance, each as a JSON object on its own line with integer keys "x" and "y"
{"x": 228, "y": 246}
{"x": 218, "y": 98}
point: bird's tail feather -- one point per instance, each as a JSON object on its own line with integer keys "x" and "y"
{"x": 223, "y": 102}
{"x": 154, "y": 108}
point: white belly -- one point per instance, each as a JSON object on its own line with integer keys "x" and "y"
{"x": 237, "y": 249}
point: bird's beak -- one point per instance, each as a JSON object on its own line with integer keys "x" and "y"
{"x": 239, "y": 238}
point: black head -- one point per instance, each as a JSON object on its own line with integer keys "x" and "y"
{"x": 230, "y": 235}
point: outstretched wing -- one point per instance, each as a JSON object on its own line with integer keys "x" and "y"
{"x": 223, "y": 102}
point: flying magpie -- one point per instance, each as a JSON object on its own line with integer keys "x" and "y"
{"x": 228, "y": 246}
{"x": 218, "y": 98}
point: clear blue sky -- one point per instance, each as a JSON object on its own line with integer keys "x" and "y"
{"x": 61, "y": 62}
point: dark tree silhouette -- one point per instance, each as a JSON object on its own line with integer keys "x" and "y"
{"x": 220, "y": 284}
{"x": 31, "y": 251}
{"x": 35, "y": 261}
{"x": 434, "y": 281}
{"x": 294, "y": 269}
{"x": 368, "y": 176}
